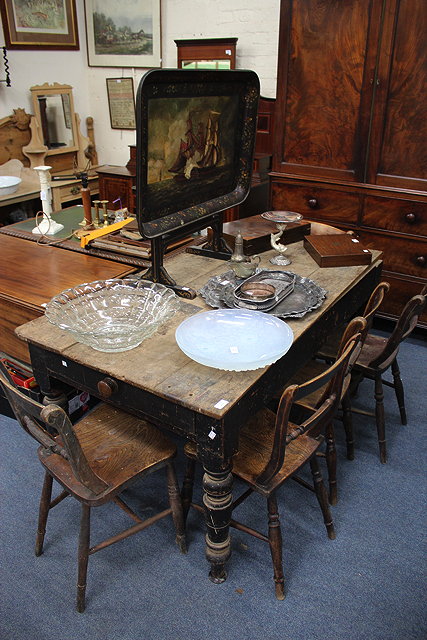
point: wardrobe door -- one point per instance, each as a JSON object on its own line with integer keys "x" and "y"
{"x": 327, "y": 59}
{"x": 398, "y": 153}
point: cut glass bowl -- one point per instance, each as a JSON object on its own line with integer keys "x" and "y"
{"x": 234, "y": 339}
{"x": 112, "y": 315}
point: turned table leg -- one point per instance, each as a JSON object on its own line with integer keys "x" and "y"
{"x": 217, "y": 500}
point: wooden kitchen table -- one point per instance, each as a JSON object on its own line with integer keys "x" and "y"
{"x": 159, "y": 382}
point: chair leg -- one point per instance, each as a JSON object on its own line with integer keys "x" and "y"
{"x": 187, "y": 487}
{"x": 322, "y": 497}
{"x": 84, "y": 539}
{"x": 331, "y": 462}
{"x": 43, "y": 512}
{"x": 176, "y": 506}
{"x": 275, "y": 542}
{"x": 348, "y": 425}
{"x": 380, "y": 418}
{"x": 398, "y": 389}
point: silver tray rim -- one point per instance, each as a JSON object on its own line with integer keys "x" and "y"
{"x": 217, "y": 288}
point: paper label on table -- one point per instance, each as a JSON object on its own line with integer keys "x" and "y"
{"x": 64, "y": 364}
{"x": 221, "y": 404}
{"x": 43, "y": 195}
{"x": 212, "y": 434}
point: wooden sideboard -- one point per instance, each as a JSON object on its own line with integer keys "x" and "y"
{"x": 350, "y": 130}
{"x": 31, "y": 274}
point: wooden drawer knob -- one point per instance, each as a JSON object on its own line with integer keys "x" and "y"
{"x": 313, "y": 203}
{"x": 75, "y": 190}
{"x": 421, "y": 261}
{"x": 411, "y": 218}
{"x": 107, "y": 387}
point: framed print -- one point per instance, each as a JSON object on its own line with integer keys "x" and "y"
{"x": 121, "y": 102}
{"x": 123, "y": 34}
{"x": 40, "y": 24}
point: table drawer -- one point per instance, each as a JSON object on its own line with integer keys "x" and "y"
{"x": 402, "y": 216}
{"x": 400, "y": 255}
{"x": 316, "y": 202}
{"x": 69, "y": 192}
{"x": 123, "y": 395}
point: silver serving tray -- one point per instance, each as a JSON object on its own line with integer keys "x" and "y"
{"x": 283, "y": 283}
{"x": 307, "y": 296}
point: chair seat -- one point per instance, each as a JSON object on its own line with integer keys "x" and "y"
{"x": 373, "y": 347}
{"x": 118, "y": 447}
{"x": 255, "y": 446}
{"x": 312, "y": 369}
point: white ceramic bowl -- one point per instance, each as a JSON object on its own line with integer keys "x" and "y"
{"x": 8, "y": 185}
{"x": 234, "y": 339}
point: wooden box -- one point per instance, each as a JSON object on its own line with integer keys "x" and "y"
{"x": 256, "y": 233}
{"x": 340, "y": 250}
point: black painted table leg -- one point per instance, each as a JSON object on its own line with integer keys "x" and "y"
{"x": 217, "y": 501}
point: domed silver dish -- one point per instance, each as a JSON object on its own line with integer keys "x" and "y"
{"x": 112, "y": 315}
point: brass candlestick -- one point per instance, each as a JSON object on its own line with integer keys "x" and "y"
{"x": 105, "y": 212}
{"x": 97, "y": 222}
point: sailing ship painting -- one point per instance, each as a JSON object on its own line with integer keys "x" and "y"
{"x": 201, "y": 150}
{"x": 190, "y": 139}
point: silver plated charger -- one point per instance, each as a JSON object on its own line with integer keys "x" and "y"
{"x": 307, "y": 296}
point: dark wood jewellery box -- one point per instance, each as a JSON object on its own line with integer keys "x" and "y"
{"x": 194, "y": 156}
{"x": 337, "y": 250}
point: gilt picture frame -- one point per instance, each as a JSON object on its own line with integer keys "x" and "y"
{"x": 40, "y": 24}
{"x": 123, "y": 34}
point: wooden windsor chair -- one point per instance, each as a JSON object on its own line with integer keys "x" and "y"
{"x": 306, "y": 405}
{"x": 272, "y": 450}
{"x": 379, "y": 354}
{"x": 94, "y": 461}
{"x": 333, "y": 348}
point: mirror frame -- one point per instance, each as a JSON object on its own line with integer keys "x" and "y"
{"x": 53, "y": 90}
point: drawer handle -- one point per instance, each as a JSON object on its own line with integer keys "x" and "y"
{"x": 411, "y": 218}
{"x": 75, "y": 190}
{"x": 313, "y": 203}
{"x": 421, "y": 261}
{"x": 107, "y": 387}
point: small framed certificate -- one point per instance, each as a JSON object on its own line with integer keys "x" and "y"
{"x": 121, "y": 102}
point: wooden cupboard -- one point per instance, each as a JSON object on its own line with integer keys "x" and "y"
{"x": 116, "y": 185}
{"x": 350, "y": 144}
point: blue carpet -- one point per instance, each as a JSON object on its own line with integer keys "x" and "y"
{"x": 368, "y": 584}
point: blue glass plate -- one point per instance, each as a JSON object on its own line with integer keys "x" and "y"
{"x": 234, "y": 339}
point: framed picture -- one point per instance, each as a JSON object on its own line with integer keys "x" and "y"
{"x": 124, "y": 33}
{"x": 194, "y": 145}
{"x": 121, "y": 102}
{"x": 40, "y": 24}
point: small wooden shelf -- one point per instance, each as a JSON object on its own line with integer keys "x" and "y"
{"x": 210, "y": 53}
